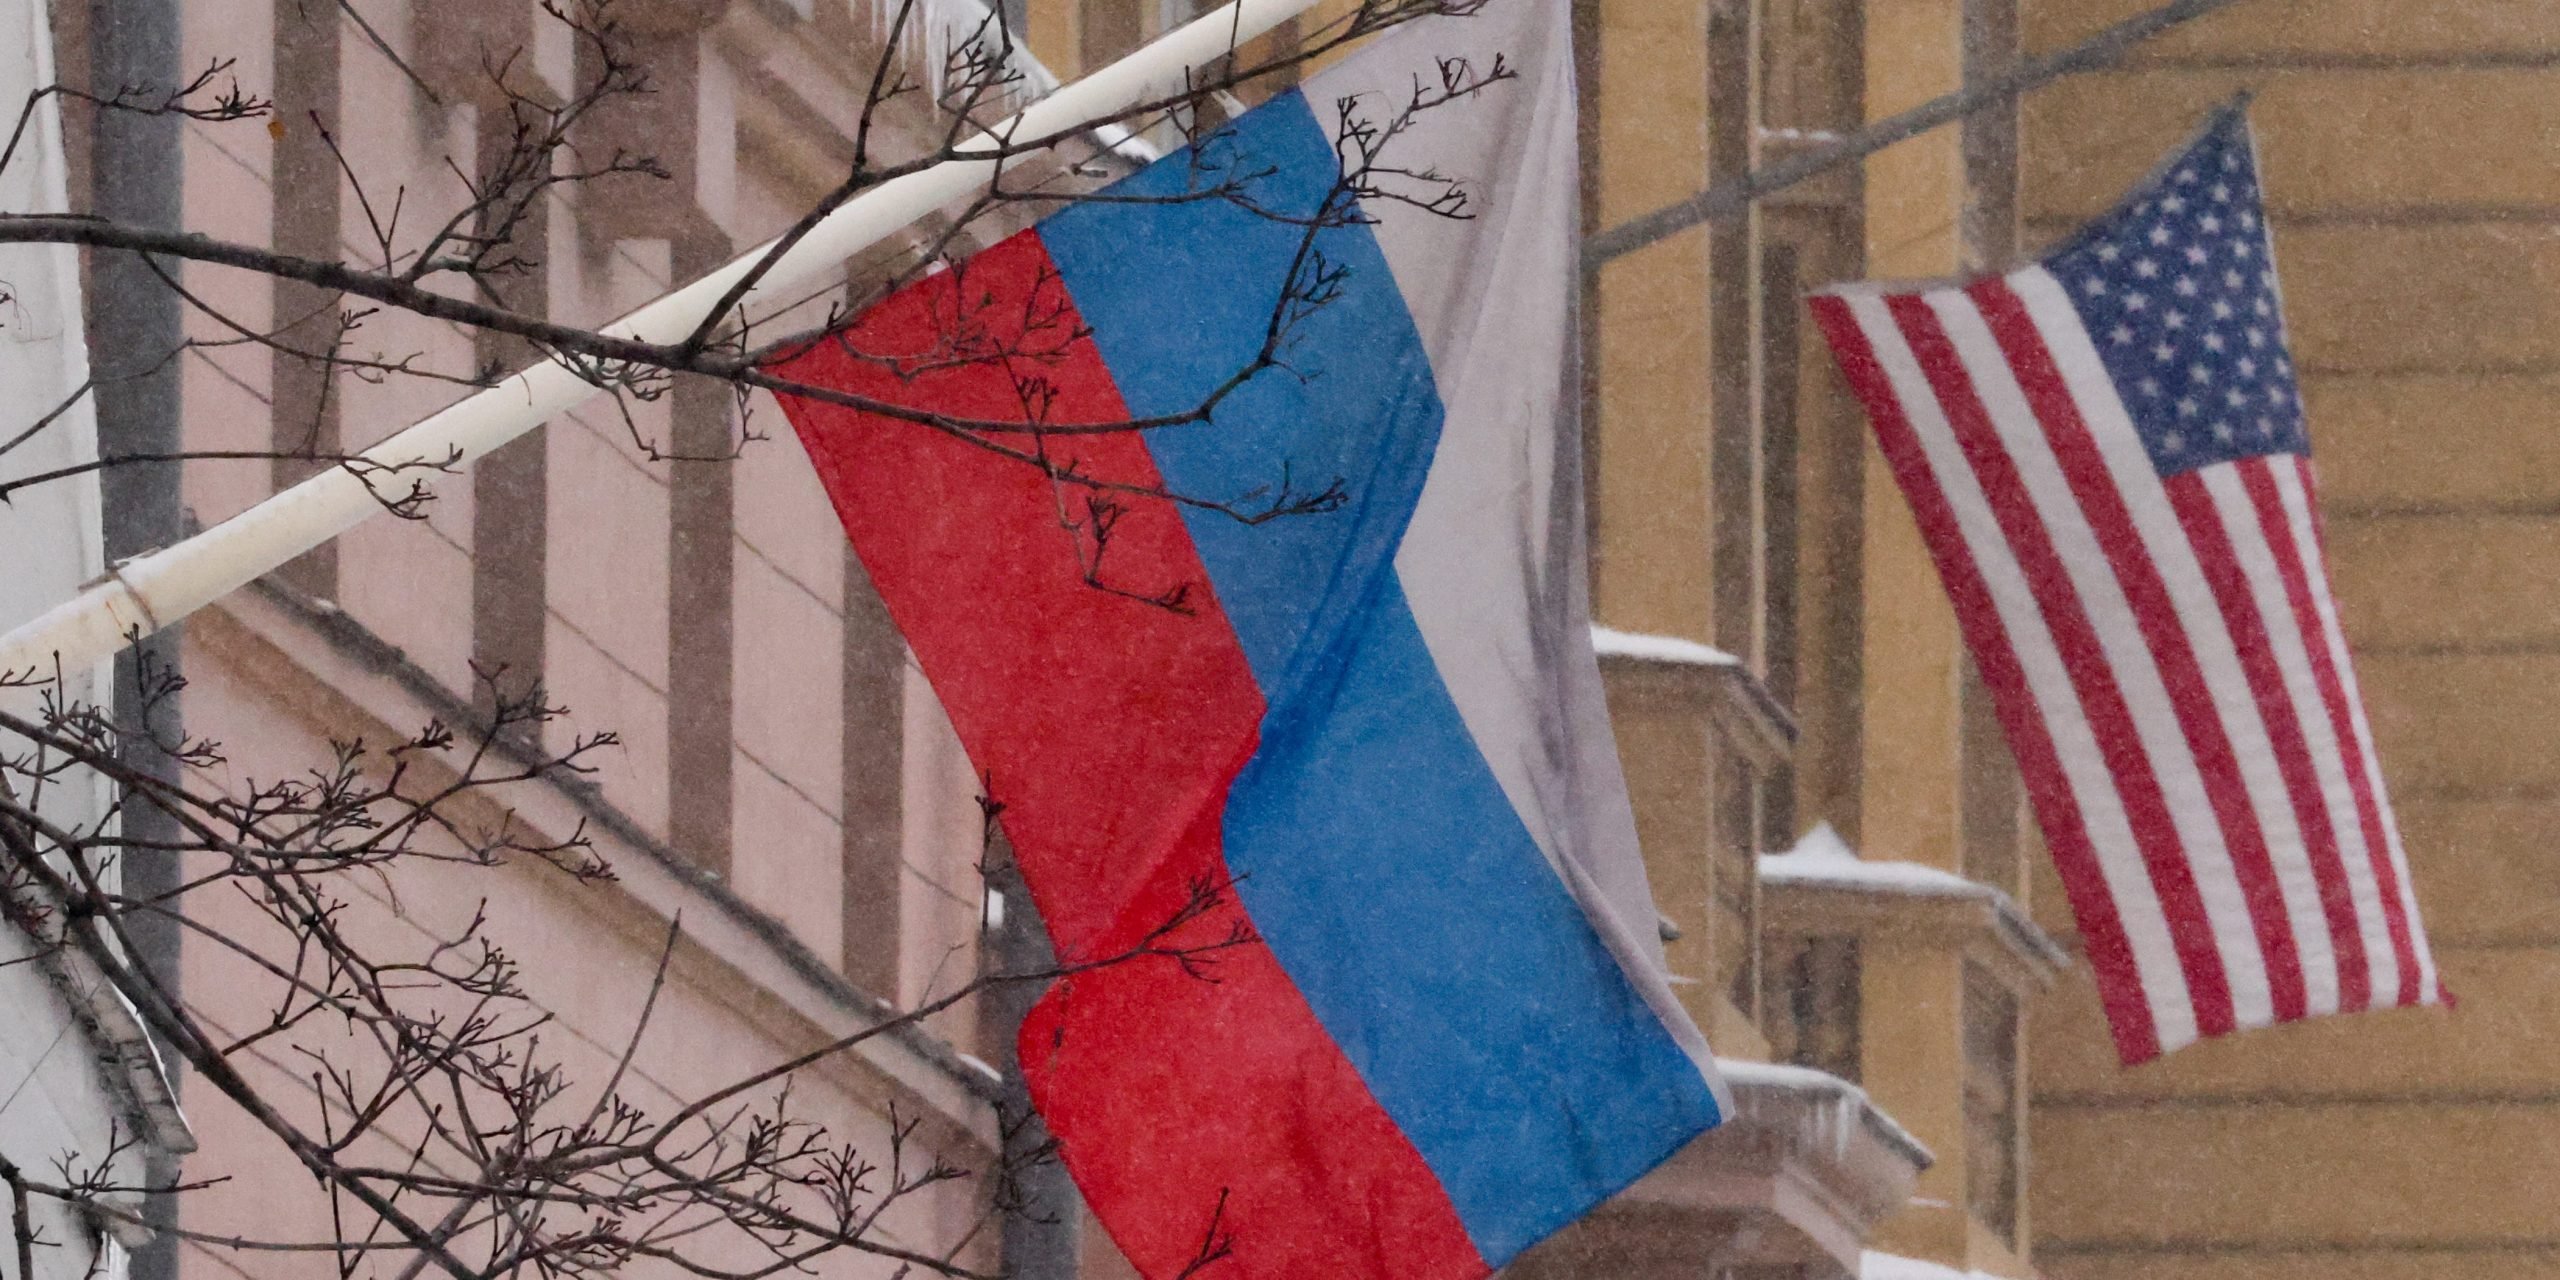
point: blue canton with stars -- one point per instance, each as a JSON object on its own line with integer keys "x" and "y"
{"x": 2178, "y": 290}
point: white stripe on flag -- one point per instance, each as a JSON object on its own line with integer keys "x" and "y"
{"x": 2128, "y": 882}
{"x": 2111, "y": 429}
{"x": 2257, "y": 557}
{"x": 1494, "y": 522}
{"x": 2120, "y": 633}
{"x": 2357, "y": 755}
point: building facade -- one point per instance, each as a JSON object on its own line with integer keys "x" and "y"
{"x": 78, "y": 1075}
{"x": 1853, "y": 897}
{"x": 1738, "y": 503}
{"x": 779, "y": 780}
{"x": 1833, "y": 827}
{"x": 2406, "y": 151}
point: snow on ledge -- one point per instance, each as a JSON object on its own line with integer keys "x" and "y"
{"x": 1822, "y": 857}
{"x": 1780, "y": 1075}
{"x": 1823, "y": 860}
{"x": 1845, "y": 1107}
{"x": 1886, "y": 1266}
{"x": 1611, "y": 643}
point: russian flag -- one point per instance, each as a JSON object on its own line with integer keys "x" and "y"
{"x": 1368, "y": 743}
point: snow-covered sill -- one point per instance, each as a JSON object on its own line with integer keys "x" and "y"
{"x": 1750, "y": 716}
{"x": 1822, "y": 860}
{"x": 1609, "y": 642}
{"x": 1822, "y": 857}
{"x": 1804, "y": 1167}
{"x": 940, "y": 26}
{"x": 1820, "y": 1087}
{"x": 1888, "y": 1266}
{"x": 1038, "y": 82}
{"x": 1783, "y": 133}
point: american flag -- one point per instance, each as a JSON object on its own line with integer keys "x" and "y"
{"x": 2106, "y": 454}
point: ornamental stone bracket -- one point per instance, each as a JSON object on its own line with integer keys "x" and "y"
{"x": 1792, "y": 1184}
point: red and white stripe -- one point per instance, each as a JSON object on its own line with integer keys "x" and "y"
{"x": 2168, "y": 663}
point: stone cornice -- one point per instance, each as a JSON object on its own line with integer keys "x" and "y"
{"x": 323, "y": 666}
{"x": 1834, "y": 892}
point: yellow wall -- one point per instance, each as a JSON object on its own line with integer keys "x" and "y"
{"x": 1649, "y": 439}
{"x": 2410, "y": 163}
{"x": 1881, "y": 752}
{"x": 1912, "y": 766}
{"x": 1914, "y": 657}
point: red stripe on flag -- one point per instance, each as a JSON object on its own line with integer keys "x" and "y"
{"x": 2258, "y": 481}
{"x": 1111, "y": 729}
{"x": 2102, "y": 504}
{"x": 2354, "y": 752}
{"x": 2220, "y": 559}
{"x": 2368, "y": 764}
{"x": 2102, "y": 698}
{"x": 2102, "y": 930}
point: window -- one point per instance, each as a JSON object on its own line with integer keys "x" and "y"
{"x": 1991, "y": 1103}
{"x": 1110, "y": 28}
{"x": 1812, "y": 72}
{"x": 1988, "y": 812}
{"x": 874, "y": 782}
{"x": 1813, "y": 1005}
{"x": 1735, "y": 880}
{"x": 1812, "y": 436}
{"x": 1988, "y": 804}
{"x": 1781, "y": 355}
{"x": 1990, "y": 138}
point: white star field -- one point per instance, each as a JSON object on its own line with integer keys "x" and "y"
{"x": 2178, "y": 290}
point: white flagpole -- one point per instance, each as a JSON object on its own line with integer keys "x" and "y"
{"x": 151, "y": 591}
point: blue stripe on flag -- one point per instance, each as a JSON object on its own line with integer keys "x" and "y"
{"x": 1380, "y": 858}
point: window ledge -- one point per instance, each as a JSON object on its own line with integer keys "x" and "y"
{"x": 312, "y": 660}
{"x": 1743, "y": 709}
{"x": 1798, "y": 1176}
{"x": 1822, "y": 887}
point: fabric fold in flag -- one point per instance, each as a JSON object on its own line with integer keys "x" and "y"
{"x": 1343, "y": 777}
{"x": 2107, "y": 456}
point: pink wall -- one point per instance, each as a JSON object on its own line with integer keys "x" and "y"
{"x": 275, "y": 689}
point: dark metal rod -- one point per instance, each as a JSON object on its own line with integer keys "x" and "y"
{"x": 1726, "y": 199}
